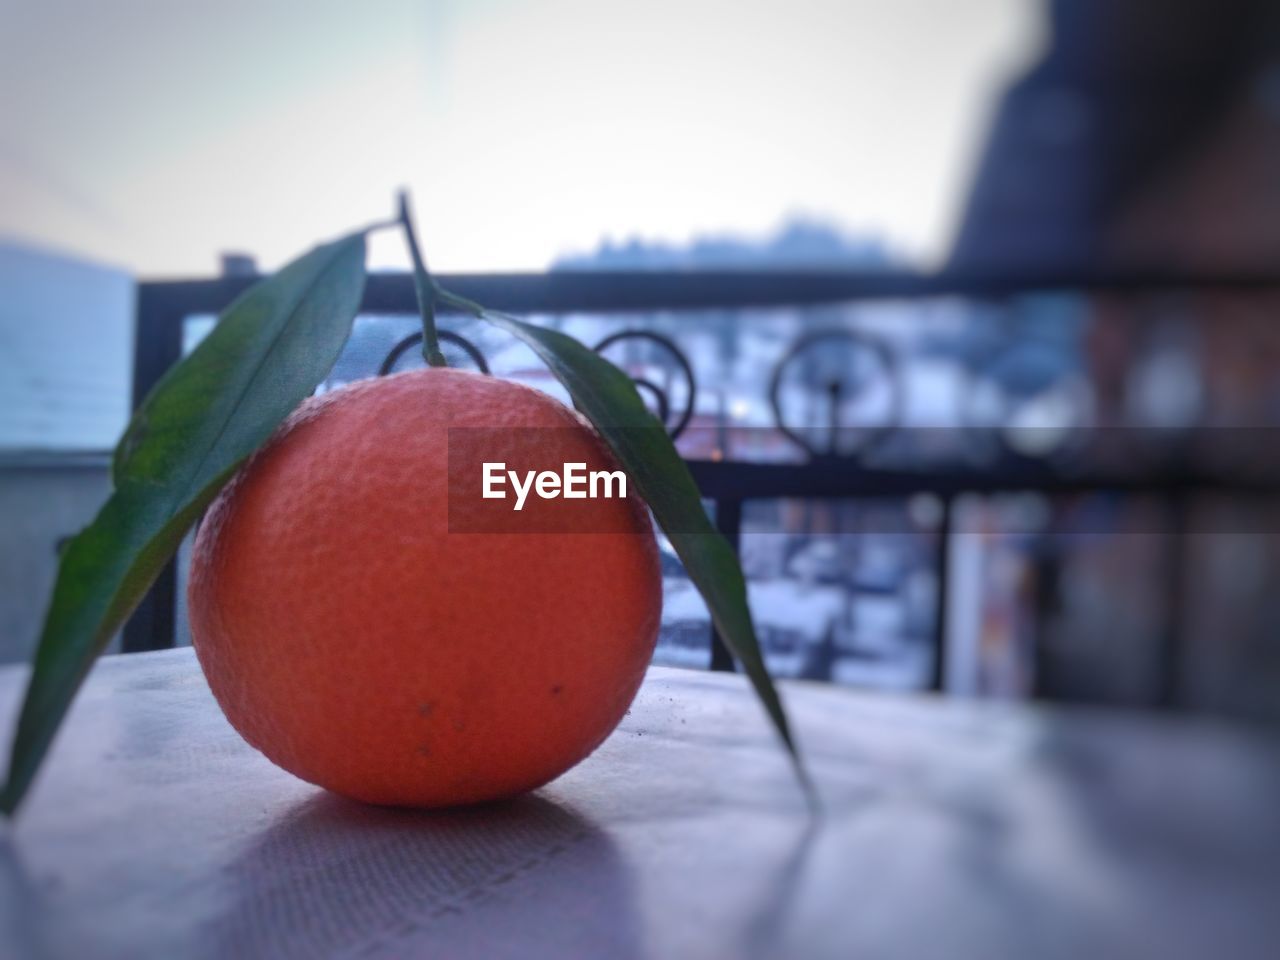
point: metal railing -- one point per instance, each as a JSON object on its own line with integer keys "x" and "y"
{"x": 163, "y": 306}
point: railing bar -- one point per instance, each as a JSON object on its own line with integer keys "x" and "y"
{"x": 942, "y": 599}
{"x": 157, "y": 345}
{"x": 1169, "y": 690}
{"x": 748, "y": 480}
{"x": 729, "y": 523}
{"x": 641, "y": 291}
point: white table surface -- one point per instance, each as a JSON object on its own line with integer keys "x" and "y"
{"x": 952, "y": 830}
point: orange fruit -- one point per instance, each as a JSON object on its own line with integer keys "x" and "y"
{"x": 359, "y": 644}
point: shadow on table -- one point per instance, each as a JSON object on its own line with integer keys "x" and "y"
{"x": 1186, "y": 815}
{"x": 767, "y": 931}
{"x": 519, "y": 878}
{"x": 21, "y": 919}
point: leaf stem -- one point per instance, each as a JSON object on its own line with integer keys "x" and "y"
{"x": 425, "y": 288}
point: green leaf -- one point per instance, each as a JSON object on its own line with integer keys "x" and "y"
{"x": 212, "y": 410}
{"x": 607, "y": 397}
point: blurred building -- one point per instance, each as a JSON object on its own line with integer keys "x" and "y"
{"x": 1147, "y": 137}
{"x": 1146, "y": 141}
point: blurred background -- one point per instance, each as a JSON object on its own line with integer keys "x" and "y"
{"x": 964, "y": 314}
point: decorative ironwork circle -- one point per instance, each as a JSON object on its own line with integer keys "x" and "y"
{"x": 660, "y": 395}
{"x": 446, "y": 336}
{"x": 884, "y": 360}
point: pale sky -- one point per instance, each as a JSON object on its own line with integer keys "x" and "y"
{"x": 152, "y": 134}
